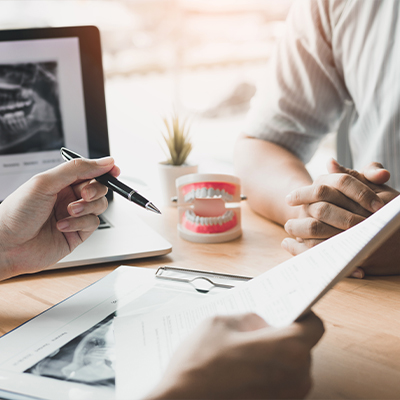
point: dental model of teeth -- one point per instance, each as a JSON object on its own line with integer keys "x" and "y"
{"x": 207, "y": 209}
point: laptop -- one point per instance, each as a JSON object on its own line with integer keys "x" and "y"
{"x": 52, "y": 95}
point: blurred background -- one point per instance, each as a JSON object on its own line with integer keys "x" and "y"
{"x": 200, "y": 58}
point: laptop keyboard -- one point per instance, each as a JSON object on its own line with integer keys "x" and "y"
{"x": 104, "y": 224}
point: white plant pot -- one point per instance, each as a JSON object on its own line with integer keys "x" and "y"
{"x": 168, "y": 174}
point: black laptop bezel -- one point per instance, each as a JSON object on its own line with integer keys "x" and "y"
{"x": 92, "y": 78}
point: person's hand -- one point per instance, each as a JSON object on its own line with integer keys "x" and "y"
{"x": 332, "y": 204}
{"x": 327, "y": 214}
{"x": 242, "y": 358}
{"x": 374, "y": 175}
{"x": 51, "y": 214}
{"x": 383, "y": 260}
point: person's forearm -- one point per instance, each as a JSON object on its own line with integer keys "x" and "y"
{"x": 268, "y": 174}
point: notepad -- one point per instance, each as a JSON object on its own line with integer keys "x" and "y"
{"x": 280, "y": 295}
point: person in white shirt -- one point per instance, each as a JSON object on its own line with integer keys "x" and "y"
{"x": 335, "y": 56}
{"x": 233, "y": 357}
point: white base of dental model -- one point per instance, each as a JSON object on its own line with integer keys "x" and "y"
{"x": 232, "y": 234}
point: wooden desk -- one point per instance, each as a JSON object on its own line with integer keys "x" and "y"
{"x": 359, "y": 355}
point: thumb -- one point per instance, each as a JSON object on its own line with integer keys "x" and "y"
{"x": 310, "y": 328}
{"x": 376, "y": 173}
{"x": 250, "y": 322}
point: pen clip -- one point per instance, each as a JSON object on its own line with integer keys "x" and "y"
{"x": 68, "y": 154}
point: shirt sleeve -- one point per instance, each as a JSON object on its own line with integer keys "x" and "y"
{"x": 304, "y": 96}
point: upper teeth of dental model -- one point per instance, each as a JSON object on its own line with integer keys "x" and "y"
{"x": 205, "y": 193}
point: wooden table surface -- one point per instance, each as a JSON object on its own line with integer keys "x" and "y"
{"x": 357, "y": 358}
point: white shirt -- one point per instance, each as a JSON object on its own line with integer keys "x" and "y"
{"x": 335, "y": 52}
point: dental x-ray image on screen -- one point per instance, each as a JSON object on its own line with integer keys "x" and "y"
{"x": 30, "y": 117}
{"x": 88, "y": 359}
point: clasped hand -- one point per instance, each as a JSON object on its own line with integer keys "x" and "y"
{"x": 336, "y": 202}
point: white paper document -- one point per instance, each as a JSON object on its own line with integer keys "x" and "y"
{"x": 280, "y": 295}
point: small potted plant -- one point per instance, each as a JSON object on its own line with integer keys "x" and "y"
{"x": 178, "y": 143}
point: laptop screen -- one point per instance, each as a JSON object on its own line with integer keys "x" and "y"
{"x": 41, "y": 107}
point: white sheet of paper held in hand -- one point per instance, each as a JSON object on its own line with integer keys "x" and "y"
{"x": 280, "y": 295}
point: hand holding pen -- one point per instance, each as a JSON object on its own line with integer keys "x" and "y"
{"x": 115, "y": 185}
{"x": 51, "y": 214}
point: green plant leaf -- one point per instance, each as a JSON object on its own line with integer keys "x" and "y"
{"x": 177, "y": 139}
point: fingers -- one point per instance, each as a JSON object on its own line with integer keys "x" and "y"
{"x": 54, "y": 180}
{"x": 375, "y": 173}
{"x": 308, "y": 330}
{"x": 323, "y": 221}
{"x": 83, "y": 215}
{"x": 323, "y": 193}
{"x": 335, "y": 216}
{"x": 293, "y": 246}
{"x": 310, "y": 242}
{"x": 81, "y": 207}
{"x": 310, "y": 228}
{"x": 79, "y": 175}
{"x": 115, "y": 171}
{"x": 331, "y": 188}
{"x": 90, "y": 191}
{"x": 334, "y": 167}
{"x": 358, "y": 273}
{"x": 86, "y": 223}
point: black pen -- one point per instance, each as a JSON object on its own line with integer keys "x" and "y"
{"x": 114, "y": 184}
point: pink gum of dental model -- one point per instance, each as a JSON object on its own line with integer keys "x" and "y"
{"x": 207, "y": 209}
